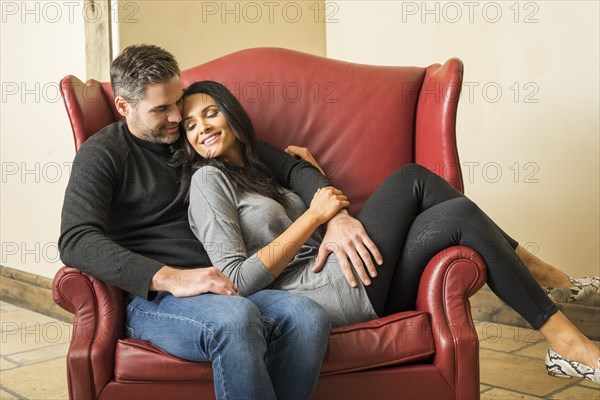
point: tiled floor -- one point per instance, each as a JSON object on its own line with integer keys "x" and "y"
{"x": 33, "y": 348}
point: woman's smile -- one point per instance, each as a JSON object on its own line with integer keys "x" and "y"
{"x": 211, "y": 138}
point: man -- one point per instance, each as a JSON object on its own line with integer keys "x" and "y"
{"x": 124, "y": 220}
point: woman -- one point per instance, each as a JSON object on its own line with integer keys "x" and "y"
{"x": 262, "y": 236}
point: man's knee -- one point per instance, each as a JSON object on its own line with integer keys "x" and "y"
{"x": 237, "y": 319}
{"x": 310, "y": 318}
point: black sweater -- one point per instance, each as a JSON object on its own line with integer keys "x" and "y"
{"x": 124, "y": 214}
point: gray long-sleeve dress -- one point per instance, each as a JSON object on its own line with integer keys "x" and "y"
{"x": 233, "y": 226}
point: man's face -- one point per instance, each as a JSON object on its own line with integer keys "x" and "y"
{"x": 156, "y": 118}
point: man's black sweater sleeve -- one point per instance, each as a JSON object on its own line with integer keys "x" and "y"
{"x": 296, "y": 174}
{"x": 83, "y": 241}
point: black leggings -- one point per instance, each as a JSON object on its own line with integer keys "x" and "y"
{"x": 413, "y": 215}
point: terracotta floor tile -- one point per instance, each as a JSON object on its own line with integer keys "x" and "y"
{"x": 586, "y": 383}
{"x": 21, "y": 318}
{"x": 39, "y": 355}
{"x": 507, "y": 338}
{"x": 47, "y": 380}
{"x": 6, "y": 396}
{"x": 538, "y": 350}
{"x": 518, "y": 373}
{"x": 483, "y": 388}
{"x": 578, "y": 393}
{"x": 34, "y": 336}
{"x": 5, "y": 364}
{"x": 501, "y": 394}
{"x": 7, "y": 307}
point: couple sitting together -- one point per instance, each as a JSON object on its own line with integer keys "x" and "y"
{"x": 217, "y": 238}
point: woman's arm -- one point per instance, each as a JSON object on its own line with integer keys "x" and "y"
{"x": 278, "y": 254}
{"x": 214, "y": 219}
{"x": 338, "y": 229}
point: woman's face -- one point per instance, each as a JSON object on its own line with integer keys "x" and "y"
{"x": 207, "y": 129}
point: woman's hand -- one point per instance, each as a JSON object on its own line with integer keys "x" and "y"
{"x": 326, "y": 203}
{"x": 304, "y": 154}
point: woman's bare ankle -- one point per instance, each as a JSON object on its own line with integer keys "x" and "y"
{"x": 584, "y": 353}
{"x": 555, "y": 279}
{"x": 544, "y": 273}
{"x": 566, "y": 340}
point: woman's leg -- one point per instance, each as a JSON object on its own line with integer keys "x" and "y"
{"x": 416, "y": 214}
{"x": 557, "y": 285}
{"x": 418, "y": 208}
{"x": 388, "y": 214}
{"x": 460, "y": 222}
{"x": 395, "y": 204}
{"x": 565, "y": 339}
{"x": 544, "y": 273}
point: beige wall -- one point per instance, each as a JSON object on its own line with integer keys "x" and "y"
{"x": 40, "y": 43}
{"x": 540, "y": 133}
{"x": 199, "y": 31}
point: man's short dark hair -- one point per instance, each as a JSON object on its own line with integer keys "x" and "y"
{"x": 139, "y": 66}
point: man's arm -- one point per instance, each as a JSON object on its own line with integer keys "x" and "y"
{"x": 84, "y": 244}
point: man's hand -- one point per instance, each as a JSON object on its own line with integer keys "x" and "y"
{"x": 192, "y": 282}
{"x": 304, "y": 154}
{"x": 346, "y": 237}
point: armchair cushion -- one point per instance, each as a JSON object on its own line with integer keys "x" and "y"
{"x": 138, "y": 360}
{"x": 398, "y": 339}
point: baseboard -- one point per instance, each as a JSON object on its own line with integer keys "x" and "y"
{"x": 30, "y": 291}
{"x": 34, "y": 292}
{"x": 585, "y": 315}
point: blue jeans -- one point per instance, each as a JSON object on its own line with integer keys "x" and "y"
{"x": 266, "y": 346}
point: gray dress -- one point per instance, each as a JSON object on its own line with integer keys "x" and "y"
{"x": 233, "y": 226}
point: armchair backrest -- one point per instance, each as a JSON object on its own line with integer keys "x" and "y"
{"x": 360, "y": 121}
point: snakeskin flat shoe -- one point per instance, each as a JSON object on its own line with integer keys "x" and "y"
{"x": 583, "y": 288}
{"x": 562, "y": 367}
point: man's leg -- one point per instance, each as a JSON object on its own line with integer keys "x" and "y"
{"x": 226, "y": 330}
{"x": 297, "y": 336}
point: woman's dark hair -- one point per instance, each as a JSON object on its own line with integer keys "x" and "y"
{"x": 254, "y": 176}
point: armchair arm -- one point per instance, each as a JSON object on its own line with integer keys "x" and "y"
{"x": 97, "y": 325}
{"x": 448, "y": 281}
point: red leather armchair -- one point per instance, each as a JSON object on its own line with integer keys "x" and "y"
{"x": 361, "y": 122}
